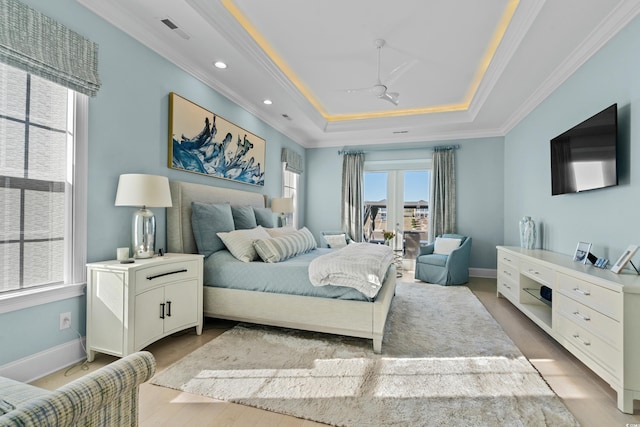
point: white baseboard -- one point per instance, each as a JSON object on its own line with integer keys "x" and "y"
{"x": 489, "y": 273}
{"x": 46, "y": 362}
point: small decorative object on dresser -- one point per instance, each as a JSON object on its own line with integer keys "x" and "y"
{"x": 528, "y": 235}
{"x": 624, "y": 259}
{"x": 582, "y": 252}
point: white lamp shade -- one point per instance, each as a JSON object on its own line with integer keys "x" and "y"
{"x": 282, "y": 205}
{"x": 143, "y": 190}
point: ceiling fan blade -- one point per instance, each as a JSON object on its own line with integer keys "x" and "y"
{"x": 359, "y": 90}
{"x": 397, "y": 72}
{"x": 392, "y": 97}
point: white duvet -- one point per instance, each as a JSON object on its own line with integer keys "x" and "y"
{"x": 362, "y": 266}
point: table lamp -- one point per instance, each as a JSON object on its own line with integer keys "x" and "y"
{"x": 282, "y": 205}
{"x": 143, "y": 191}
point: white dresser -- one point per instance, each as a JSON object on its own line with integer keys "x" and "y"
{"x": 129, "y": 306}
{"x": 594, "y": 313}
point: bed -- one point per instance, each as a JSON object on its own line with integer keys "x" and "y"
{"x": 363, "y": 319}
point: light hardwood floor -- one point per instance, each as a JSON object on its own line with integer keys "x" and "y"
{"x": 589, "y": 399}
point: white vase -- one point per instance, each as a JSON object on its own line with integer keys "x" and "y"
{"x": 527, "y": 233}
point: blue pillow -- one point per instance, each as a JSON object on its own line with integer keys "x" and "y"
{"x": 206, "y": 221}
{"x": 243, "y": 217}
{"x": 264, "y": 217}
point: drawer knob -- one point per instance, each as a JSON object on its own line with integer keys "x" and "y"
{"x": 506, "y": 286}
{"x": 577, "y": 336}
{"x": 581, "y": 316}
{"x": 582, "y": 292}
{"x": 532, "y": 271}
{"x": 506, "y": 272}
{"x": 506, "y": 259}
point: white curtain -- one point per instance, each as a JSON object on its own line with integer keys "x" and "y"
{"x": 353, "y": 195}
{"x": 442, "y": 202}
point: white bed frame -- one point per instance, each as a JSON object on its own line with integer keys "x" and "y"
{"x": 343, "y": 317}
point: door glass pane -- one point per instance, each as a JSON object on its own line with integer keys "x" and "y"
{"x": 416, "y": 210}
{"x": 375, "y": 206}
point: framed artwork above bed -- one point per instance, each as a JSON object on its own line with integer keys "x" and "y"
{"x": 203, "y": 142}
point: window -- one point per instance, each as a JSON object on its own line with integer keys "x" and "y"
{"x": 290, "y": 189}
{"x": 42, "y": 157}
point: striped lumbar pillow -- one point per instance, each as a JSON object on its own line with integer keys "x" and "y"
{"x": 278, "y": 249}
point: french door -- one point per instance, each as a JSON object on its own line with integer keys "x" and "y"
{"x": 397, "y": 200}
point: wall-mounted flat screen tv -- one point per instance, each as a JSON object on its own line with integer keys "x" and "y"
{"x": 584, "y": 157}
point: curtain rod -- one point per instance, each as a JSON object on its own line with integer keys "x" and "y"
{"x": 436, "y": 148}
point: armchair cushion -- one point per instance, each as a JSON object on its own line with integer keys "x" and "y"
{"x": 107, "y": 396}
{"x": 435, "y": 259}
{"x": 444, "y": 245}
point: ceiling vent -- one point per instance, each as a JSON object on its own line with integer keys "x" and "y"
{"x": 174, "y": 27}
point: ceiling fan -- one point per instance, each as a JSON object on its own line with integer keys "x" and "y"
{"x": 380, "y": 89}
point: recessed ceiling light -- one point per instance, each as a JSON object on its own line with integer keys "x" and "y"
{"x": 267, "y": 102}
{"x": 220, "y": 64}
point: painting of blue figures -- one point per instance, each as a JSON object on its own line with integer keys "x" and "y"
{"x": 202, "y": 142}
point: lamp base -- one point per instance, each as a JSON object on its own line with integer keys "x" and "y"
{"x": 144, "y": 233}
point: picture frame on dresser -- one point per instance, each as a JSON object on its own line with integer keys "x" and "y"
{"x": 582, "y": 252}
{"x": 624, "y": 259}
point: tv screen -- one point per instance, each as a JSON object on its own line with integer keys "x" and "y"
{"x": 584, "y": 157}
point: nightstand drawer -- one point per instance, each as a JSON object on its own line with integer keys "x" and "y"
{"x": 603, "y": 326}
{"x": 537, "y": 272}
{"x": 601, "y": 299}
{"x": 158, "y": 275}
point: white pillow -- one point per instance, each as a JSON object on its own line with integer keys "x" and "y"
{"x": 280, "y": 231}
{"x": 444, "y": 245}
{"x": 336, "y": 240}
{"x": 240, "y": 242}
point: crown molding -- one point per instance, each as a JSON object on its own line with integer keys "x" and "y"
{"x": 624, "y": 13}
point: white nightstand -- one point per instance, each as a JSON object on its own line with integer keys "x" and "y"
{"x": 129, "y": 306}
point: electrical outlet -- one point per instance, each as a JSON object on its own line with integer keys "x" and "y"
{"x": 65, "y": 320}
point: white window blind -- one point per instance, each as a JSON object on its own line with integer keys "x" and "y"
{"x": 42, "y": 219}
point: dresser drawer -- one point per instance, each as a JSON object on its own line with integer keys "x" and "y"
{"x": 601, "y": 299}
{"x": 508, "y": 280}
{"x": 537, "y": 272}
{"x": 602, "y": 353}
{"x": 158, "y": 275}
{"x": 606, "y": 328}
{"x": 508, "y": 259}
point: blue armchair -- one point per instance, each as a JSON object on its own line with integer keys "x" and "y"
{"x": 452, "y": 269}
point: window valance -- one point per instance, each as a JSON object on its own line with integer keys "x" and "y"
{"x": 292, "y": 160}
{"x": 42, "y": 46}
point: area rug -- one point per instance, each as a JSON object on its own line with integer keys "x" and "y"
{"x": 444, "y": 361}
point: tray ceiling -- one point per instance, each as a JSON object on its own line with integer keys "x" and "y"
{"x": 461, "y": 69}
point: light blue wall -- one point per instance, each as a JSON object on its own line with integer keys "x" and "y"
{"x": 479, "y": 180}
{"x": 607, "y": 217}
{"x": 128, "y": 132}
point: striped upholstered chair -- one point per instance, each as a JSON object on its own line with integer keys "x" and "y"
{"x": 105, "y": 397}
